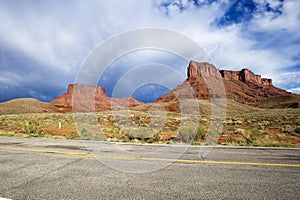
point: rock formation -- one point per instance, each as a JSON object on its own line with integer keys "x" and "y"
{"x": 83, "y": 98}
{"x": 196, "y": 69}
{"x": 204, "y": 82}
{"x": 246, "y": 76}
{"x": 242, "y": 86}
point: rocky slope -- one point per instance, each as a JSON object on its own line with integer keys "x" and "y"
{"x": 205, "y": 81}
{"x": 82, "y": 98}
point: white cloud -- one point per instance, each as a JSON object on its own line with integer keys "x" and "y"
{"x": 228, "y": 47}
{"x": 295, "y": 90}
{"x": 9, "y": 79}
{"x": 60, "y": 42}
{"x": 287, "y": 79}
{"x": 270, "y": 21}
{"x": 60, "y": 34}
{"x": 38, "y": 95}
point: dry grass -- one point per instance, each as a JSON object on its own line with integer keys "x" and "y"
{"x": 25, "y": 105}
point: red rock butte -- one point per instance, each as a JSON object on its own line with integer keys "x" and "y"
{"x": 206, "y": 82}
{"x": 205, "y": 69}
{"x": 85, "y": 98}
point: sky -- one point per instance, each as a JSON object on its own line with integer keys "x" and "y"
{"x": 43, "y": 44}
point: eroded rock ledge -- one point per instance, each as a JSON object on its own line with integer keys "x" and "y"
{"x": 205, "y": 69}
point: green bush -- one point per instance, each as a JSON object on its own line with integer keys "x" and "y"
{"x": 33, "y": 127}
{"x": 83, "y": 131}
{"x": 196, "y": 143}
{"x": 297, "y": 129}
{"x": 187, "y": 133}
{"x": 150, "y": 141}
{"x": 140, "y": 133}
{"x": 201, "y": 133}
{"x": 255, "y": 134}
{"x": 190, "y": 133}
{"x": 73, "y": 136}
{"x": 157, "y": 137}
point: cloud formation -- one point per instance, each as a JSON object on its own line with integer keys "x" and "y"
{"x": 43, "y": 43}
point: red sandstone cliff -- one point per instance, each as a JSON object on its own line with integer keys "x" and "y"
{"x": 204, "y": 69}
{"x": 82, "y": 98}
{"x": 205, "y": 81}
{"x": 245, "y": 75}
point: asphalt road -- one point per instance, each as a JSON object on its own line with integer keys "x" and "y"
{"x": 56, "y": 169}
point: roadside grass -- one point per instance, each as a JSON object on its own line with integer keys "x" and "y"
{"x": 12, "y": 134}
{"x": 9, "y": 133}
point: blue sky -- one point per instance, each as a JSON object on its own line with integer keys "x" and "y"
{"x": 44, "y": 43}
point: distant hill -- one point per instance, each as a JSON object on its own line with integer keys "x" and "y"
{"x": 26, "y": 105}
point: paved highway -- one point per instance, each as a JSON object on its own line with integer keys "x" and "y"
{"x": 57, "y": 169}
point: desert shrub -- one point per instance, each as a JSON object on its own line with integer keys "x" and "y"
{"x": 134, "y": 140}
{"x": 263, "y": 138}
{"x": 287, "y": 129}
{"x": 297, "y": 129}
{"x": 189, "y": 133}
{"x": 196, "y": 143}
{"x": 141, "y": 133}
{"x": 73, "y": 136}
{"x": 230, "y": 128}
{"x": 86, "y": 134}
{"x": 33, "y": 127}
{"x": 158, "y": 136}
{"x": 255, "y": 134}
{"x": 201, "y": 133}
{"x": 83, "y": 131}
{"x": 150, "y": 141}
{"x": 239, "y": 131}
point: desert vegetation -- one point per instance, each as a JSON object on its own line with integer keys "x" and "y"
{"x": 242, "y": 126}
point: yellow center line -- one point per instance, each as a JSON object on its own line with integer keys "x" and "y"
{"x": 130, "y": 158}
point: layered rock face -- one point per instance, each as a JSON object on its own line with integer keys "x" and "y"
{"x": 207, "y": 70}
{"x": 196, "y": 69}
{"x": 209, "y": 82}
{"x": 246, "y": 76}
{"x": 81, "y": 91}
{"x": 204, "y": 82}
{"x": 84, "y": 98}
